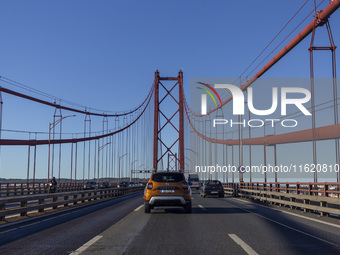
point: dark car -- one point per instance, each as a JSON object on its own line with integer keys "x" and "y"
{"x": 123, "y": 184}
{"x": 105, "y": 185}
{"x": 91, "y": 185}
{"x": 212, "y": 187}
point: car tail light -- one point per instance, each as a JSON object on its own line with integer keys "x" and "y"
{"x": 185, "y": 185}
{"x": 150, "y": 185}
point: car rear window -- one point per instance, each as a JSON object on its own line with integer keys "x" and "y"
{"x": 213, "y": 183}
{"x": 168, "y": 177}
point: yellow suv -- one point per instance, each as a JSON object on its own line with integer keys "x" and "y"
{"x": 167, "y": 189}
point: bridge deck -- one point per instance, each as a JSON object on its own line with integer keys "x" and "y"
{"x": 216, "y": 226}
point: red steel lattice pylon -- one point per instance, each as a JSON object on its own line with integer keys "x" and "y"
{"x": 158, "y": 154}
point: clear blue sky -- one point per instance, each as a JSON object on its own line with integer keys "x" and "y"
{"x": 103, "y": 54}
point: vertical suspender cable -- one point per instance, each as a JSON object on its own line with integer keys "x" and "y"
{"x": 28, "y": 160}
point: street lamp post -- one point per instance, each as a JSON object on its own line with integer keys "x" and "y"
{"x": 119, "y": 166}
{"x": 188, "y": 164}
{"x": 131, "y": 168}
{"x": 195, "y": 153}
{"x": 50, "y": 126}
{"x": 99, "y": 149}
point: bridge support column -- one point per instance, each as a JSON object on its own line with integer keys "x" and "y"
{"x": 156, "y": 114}
{"x": 163, "y": 120}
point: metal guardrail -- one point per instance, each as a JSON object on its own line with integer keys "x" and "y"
{"x": 22, "y": 205}
{"x": 321, "y": 198}
{"x": 17, "y": 189}
{"x": 327, "y": 189}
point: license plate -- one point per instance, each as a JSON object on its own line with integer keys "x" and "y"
{"x": 214, "y": 192}
{"x": 167, "y": 191}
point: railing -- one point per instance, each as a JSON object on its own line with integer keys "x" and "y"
{"x": 22, "y": 205}
{"x": 321, "y": 198}
{"x": 327, "y": 189}
{"x": 15, "y": 189}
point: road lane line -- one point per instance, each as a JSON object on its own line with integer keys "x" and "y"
{"x": 244, "y": 246}
{"x": 138, "y": 208}
{"x": 202, "y": 207}
{"x": 86, "y": 245}
{"x": 133, "y": 236}
{"x": 286, "y": 226}
{"x": 294, "y": 214}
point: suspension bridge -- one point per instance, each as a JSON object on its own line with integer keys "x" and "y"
{"x": 280, "y": 172}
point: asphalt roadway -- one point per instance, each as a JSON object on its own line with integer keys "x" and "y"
{"x": 216, "y": 226}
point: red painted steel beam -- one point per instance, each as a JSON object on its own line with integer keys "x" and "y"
{"x": 323, "y": 15}
{"x": 181, "y": 121}
{"x": 58, "y": 106}
{"x": 33, "y": 142}
{"x": 321, "y": 133}
{"x": 168, "y": 78}
{"x": 156, "y": 120}
{"x": 158, "y": 127}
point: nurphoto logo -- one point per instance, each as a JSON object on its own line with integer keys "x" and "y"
{"x": 238, "y": 104}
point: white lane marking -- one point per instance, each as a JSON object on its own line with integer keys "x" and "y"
{"x": 244, "y": 246}
{"x": 286, "y": 226}
{"x": 202, "y": 207}
{"x": 294, "y": 214}
{"x": 132, "y": 237}
{"x": 138, "y": 208}
{"x": 86, "y": 245}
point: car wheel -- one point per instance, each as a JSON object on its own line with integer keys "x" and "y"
{"x": 221, "y": 195}
{"x": 188, "y": 208}
{"x": 147, "y": 208}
